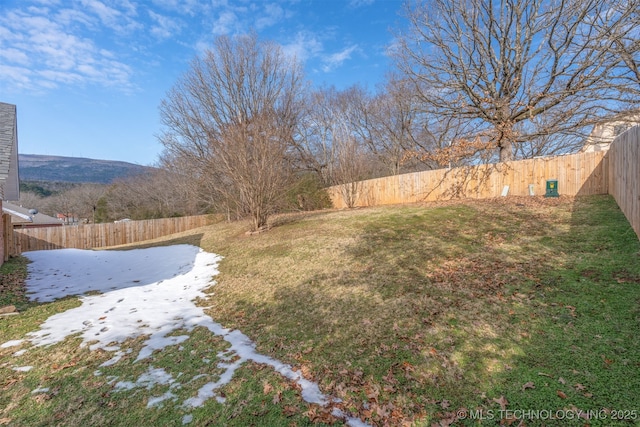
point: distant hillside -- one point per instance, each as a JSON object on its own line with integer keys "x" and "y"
{"x": 34, "y": 167}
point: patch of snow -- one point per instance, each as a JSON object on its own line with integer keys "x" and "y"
{"x": 351, "y": 421}
{"x": 23, "y": 368}
{"x": 157, "y": 401}
{"x": 59, "y": 273}
{"x": 144, "y": 293}
{"x": 40, "y": 390}
{"x": 115, "y": 359}
{"x": 148, "y": 380}
{"x": 11, "y": 343}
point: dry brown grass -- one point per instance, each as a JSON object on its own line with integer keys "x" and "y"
{"x": 408, "y": 313}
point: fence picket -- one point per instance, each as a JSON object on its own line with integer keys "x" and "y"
{"x": 580, "y": 173}
{"x": 101, "y": 235}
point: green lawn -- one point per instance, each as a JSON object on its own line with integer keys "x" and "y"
{"x": 509, "y": 310}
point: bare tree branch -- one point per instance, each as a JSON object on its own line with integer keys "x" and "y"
{"x": 525, "y": 72}
{"x": 232, "y": 118}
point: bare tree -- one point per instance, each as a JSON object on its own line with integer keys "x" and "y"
{"x": 60, "y": 204}
{"x": 522, "y": 72}
{"x": 391, "y": 122}
{"x": 31, "y": 200}
{"x": 317, "y": 128}
{"x": 333, "y": 142}
{"x": 620, "y": 28}
{"x": 188, "y": 188}
{"x": 156, "y": 194}
{"x": 404, "y": 135}
{"x": 232, "y": 117}
{"x": 380, "y": 123}
{"x": 351, "y": 168}
{"x": 83, "y": 200}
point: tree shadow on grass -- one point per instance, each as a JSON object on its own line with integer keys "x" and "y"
{"x": 583, "y": 348}
{"x": 423, "y": 312}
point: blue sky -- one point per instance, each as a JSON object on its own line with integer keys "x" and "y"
{"x": 87, "y": 76}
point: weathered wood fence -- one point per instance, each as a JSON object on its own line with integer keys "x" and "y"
{"x": 577, "y": 174}
{"x": 102, "y": 235}
{"x": 624, "y": 175}
{"x": 615, "y": 172}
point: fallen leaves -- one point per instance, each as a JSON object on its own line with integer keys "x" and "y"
{"x": 289, "y": 410}
{"x": 502, "y": 401}
{"x": 528, "y": 385}
{"x": 582, "y": 389}
{"x": 606, "y": 360}
{"x": 372, "y": 391}
{"x": 408, "y": 367}
{"x": 267, "y": 388}
{"x": 57, "y": 367}
{"x": 12, "y": 283}
{"x": 10, "y": 382}
{"x": 40, "y": 398}
{"x": 318, "y": 414}
{"x": 9, "y": 309}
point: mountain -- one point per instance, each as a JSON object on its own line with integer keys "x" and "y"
{"x": 33, "y": 167}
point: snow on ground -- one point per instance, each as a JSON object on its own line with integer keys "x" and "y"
{"x": 143, "y": 292}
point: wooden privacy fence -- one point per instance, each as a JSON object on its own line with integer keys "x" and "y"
{"x": 624, "y": 175}
{"x": 577, "y": 174}
{"x": 102, "y": 235}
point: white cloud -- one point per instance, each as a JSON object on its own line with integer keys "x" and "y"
{"x": 55, "y": 53}
{"x": 72, "y": 16}
{"x": 48, "y": 2}
{"x": 308, "y": 46}
{"x": 120, "y": 20}
{"x": 220, "y": 3}
{"x": 226, "y": 23}
{"x": 240, "y": 17}
{"x": 304, "y": 46}
{"x": 19, "y": 77}
{"x": 14, "y": 56}
{"x": 359, "y": 3}
{"x": 54, "y": 77}
{"x": 335, "y": 60}
{"x": 164, "y": 27}
{"x": 106, "y": 14}
{"x": 273, "y": 14}
{"x": 129, "y": 7}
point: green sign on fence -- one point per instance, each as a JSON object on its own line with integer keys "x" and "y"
{"x": 552, "y": 188}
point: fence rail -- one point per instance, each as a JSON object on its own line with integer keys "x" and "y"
{"x": 577, "y": 174}
{"x": 101, "y": 235}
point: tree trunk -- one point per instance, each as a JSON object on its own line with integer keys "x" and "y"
{"x": 506, "y": 150}
{"x": 259, "y": 219}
